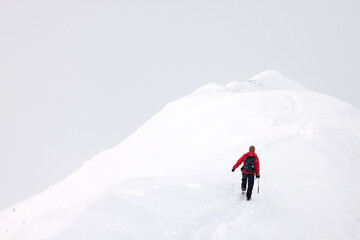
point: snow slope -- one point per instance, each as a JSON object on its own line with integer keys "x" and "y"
{"x": 172, "y": 179}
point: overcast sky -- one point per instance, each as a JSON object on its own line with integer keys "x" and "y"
{"x": 77, "y": 77}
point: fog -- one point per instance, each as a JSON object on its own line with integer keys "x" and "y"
{"x": 77, "y": 77}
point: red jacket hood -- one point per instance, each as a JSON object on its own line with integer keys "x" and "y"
{"x": 251, "y": 154}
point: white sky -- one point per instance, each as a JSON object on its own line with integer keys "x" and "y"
{"x": 77, "y": 77}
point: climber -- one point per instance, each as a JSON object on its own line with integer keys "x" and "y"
{"x": 251, "y": 166}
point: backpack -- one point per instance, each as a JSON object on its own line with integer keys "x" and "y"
{"x": 249, "y": 164}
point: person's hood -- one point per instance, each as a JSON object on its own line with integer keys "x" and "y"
{"x": 251, "y": 154}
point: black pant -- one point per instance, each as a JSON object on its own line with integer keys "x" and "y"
{"x": 249, "y": 178}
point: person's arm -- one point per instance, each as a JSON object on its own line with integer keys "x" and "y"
{"x": 257, "y": 167}
{"x": 239, "y": 162}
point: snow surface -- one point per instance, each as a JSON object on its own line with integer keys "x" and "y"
{"x": 172, "y": 179}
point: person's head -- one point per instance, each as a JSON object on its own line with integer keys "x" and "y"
{"x": 252, "y": 148}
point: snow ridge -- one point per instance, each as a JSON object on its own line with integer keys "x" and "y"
{"x": 172, "y": 177}
{"x": 268, "y": 80}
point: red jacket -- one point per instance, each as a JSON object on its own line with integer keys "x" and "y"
{"x": 256, "y": 163}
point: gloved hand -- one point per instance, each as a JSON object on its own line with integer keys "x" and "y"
{"x": 232, "y": 170}
{"x": 257, "y": 176}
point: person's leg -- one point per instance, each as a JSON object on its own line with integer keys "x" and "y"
{"x": 243, "y": 182}
{"x": 250, "y": 185}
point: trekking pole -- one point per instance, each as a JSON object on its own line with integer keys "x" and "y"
{"x": 258, "y": 185}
